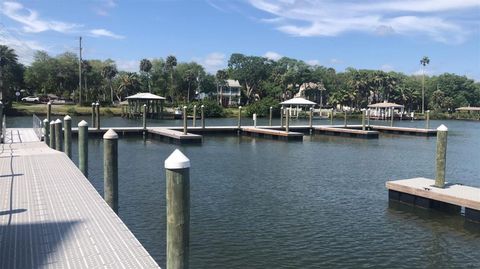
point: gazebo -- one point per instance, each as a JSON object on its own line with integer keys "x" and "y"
{"x": 135, "y": 104}
{"x": 471, "y": 110}
{"x": 298, "y": 102}
{"x": 385, "y": 109}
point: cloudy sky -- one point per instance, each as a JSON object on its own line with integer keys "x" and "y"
{"x": 372, "y": 34}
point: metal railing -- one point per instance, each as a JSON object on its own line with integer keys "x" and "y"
{"x": 37, "y": 126}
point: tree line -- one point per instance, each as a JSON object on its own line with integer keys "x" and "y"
{"x": 262, "y": 80}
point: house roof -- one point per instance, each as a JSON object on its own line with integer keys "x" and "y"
{"x": 145, "y": 96}
{"x": 468, "y": 108}
{"x": 298, "y": 102}
{"x": 233, "y": 83}
{"x": 385, "y": 105}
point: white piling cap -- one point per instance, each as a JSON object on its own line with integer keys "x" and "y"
{"x": 110, "y": 134}
{"x": 240, "y": 107}
{"x": 67, "y": 118}
{"x": 177, "y": 160}
{"x": 194, "y": 105}
{"x": 97, "y": 104}
{"x": 202, "y": 106}
{"x": 52, "y": 122}
{"x": 58, "y": 121}
{"x": 45, "y": 120}
{"x": 49, "y": 103}
{"x": 82, "y": 123}
{"x": 185, "y": 107}
{"x": 144, "y": 104}
{"x": 442, "y": 128}
{"x": 93, "y": 103}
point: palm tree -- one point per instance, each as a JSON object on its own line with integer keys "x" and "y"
{"x": 424, "y": 62}
{"x": 146, "y": 66}
{"x": 7, "y": 57}
{"x": 221, "y": 77}
{"x": 109, "y": 72}
{"x": 189, "y": 77}
{"x": 170, "y": 66}
{"x": 128, "y": 82}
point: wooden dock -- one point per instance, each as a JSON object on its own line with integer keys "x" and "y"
{"x": 422, "y": 192}
{"x": 273, "y": 134}
{"x": 404, "y": 130}
{"x": 342, "y": 131}
{"x": 51, "y": 216}
{"x": 174, "y": 135}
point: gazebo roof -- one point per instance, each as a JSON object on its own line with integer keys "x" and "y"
{"x": 468, "y": 108}
{"x": 298, "y": 102}
{"x": 385, "y": 105}
{"x": 145, "y": 96}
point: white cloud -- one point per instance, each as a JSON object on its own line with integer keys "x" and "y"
{"x": 128, "y": 65}
{"x": 335, "y": 61}
{"x": 313, "y": 62}
{"x": 386, "y": 67}
{"x": 31, "y": 23}
{"x": 105, "y": 33}
{"x": 272, "y": 55}
{"x": 25, "y": 49}
{"x": 104, "y": 7}
{"x": 212, "y": 62}
{"x": 437, "y": 19}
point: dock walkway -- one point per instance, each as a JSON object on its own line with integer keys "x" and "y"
{"x": 52, "y": 217}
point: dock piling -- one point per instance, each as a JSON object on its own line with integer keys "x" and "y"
{"x": 427, "y": 123}
{"x": 46, "y": 129}
{"x": 310, "y": 120}
{"x": 97, "y": 123}
{"x": 49, "y": 111}
{"x": 194, "y": 115}
{"x": 363, "y": 119}
{"x": 287, "y": 121}
{"x": 110, "y": 169}
{"x": 1, "y": 121}
{"x": 52, "y": 135}
{"x": 254, "y": 120}
{"x": 202, "y": 107}
{"x": 368, "y": 118}
{"x": 94, "y": 117}
{"x": 185, "y": 128}
{"x": 177, "y": 168}
{"x": 331, "y": 116}
{"x": 281, "y": 117}
{"x": 441, "y": 158}
{"x": 83, "y": 147}
{"x": 58, "y": 135}
{"x": 144, "y": 117}
{"x": 67, "y": 147}
{"x": 270, "y": 117}
{"x": 239, "y": 117}
{"x": 345, "y": 119}
{"x": 391, "y": 119}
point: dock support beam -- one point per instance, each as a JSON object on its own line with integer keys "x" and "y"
{"x": 97, "y": 123}
{"x": 177, "y": 168}
{"x": 58, "y": 135}
{"x": 110, "y": 168}
{"x": 441, "y": 158}
{"x": 67, "y": 147}
{"x": 287, "y": 121}
{"x": 185, "y": 128}
{"x": 270, "y": 117}
{"x": 144, "y": 117}
{"x": 83, "y": 147}
{"x": 239, "y": 117}
{"x": 49, "y": 111}
{"x": 52, "y": 135}
{"x": 94, "y": 117}
{"x": 194, "y": 116}
{"x": 202, "y": 107}
{"x": 46, "y": 133}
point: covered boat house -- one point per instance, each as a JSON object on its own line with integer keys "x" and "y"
{"x": 384, "y": 110}
{"x": 134, "y": 105}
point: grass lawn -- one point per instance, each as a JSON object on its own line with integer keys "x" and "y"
{"x": 60, "y": 109}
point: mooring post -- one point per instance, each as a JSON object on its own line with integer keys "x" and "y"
{"x": 202, "y": 112}
{"x": 281, "y": 117}
{"x": 46, "y": 129}
{"x": 83, "y": 147}
{"x": 52, "y": 134}
{"x": 363, "y": 119}
{"x": 427, "y": 123}
{"x": 144, "y": 117}
{"x": 270, "y": 117}
{"x": 110, "y": 168}
{"x": 391, "y": 120}
{"x": 239, "y": 117}
{"x": 185, "y": 127}
{"x": 441, "y": 158}
{"x": 310, "y": 120}
{"x": 368, "y": 118}
{"x": 345, "y": 119}
{"x": 194, "y": 115}
{"x": 97, "y": 123}
{"x": 67, "y": 139}
{"x": 287, "y": 120}
{"x": 1, "y": 121}
{"x": 331, "y": 116}
{"x": 177, "y": 167}
{"x": 58, "y": 135}
{"x": 49, "y": 111}
{"x": 254, "y": 120}
{"x": 94, "y": 117}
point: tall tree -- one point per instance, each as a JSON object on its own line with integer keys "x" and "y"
{"x": 170, "y": 65}
{"x": 221, "y": 78}
{"x": 8, "y": 58}
{"x": 109, "y": 71}
{"x": 424, "y": 62}
{"x": 145, "y": 67}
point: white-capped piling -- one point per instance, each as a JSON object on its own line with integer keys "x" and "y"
{"x": 254, "y": 117}
{"x": 94, "y": 117}
{"x": 310, "y": 120}
{"x": 67, "y": 138}
{"x": 194, "y": 115}
{"x": 270, "y": 117}
{"x": 110, "y": 168}
{"x": 46, "y": 132}
{"x": 97, "y": 122}
{"x": 144, "y": 117}
{"x": 363, "y": 119}
{"x": 287, "y": 121}
{"x": 427, "y": 122}
{"x": 282, "y": 110}
{"x": 345, "y": 119}
{"x": 185, "y": 117}
{"x": 391, "y": 115}
{"x": 441, "y": 156}
{"x": 239, "y": 117}
{"x": 52, "y": 134}
{"x": 58, "y": 135}
{"x": 83, "y": 147}
{"x": 202, "y": 107}
{"x": 49, "y": 111}
{"x": 177, "y": 167}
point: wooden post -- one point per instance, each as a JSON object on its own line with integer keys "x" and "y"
{"x": 331, "y": 116}
{"x": 202, "y": 107}
{"x": 254, "y": 120}
{"x": 310, "y": 120}
{"x": 345, "y": 119}
{"x": 391, "y": 115}
{"x": 363, "y": 119}
{"x": 58, "y": 135}
{"x": 281, "y": 116}
{"x": 52, "y": 134}
{"x": 110, "y": 169}
{"x": 427, "y": 126}
{"x": 46, "y": 133}
{"x": 239, "y": 117}
{"x": 1, "y": 122}
{"x": 368, "y": 118}
{"x": 97, "y": 124}
{"x": 177, "y": 167}
{"x": 441, "y": 158}
{"x": 270, "y": 117}
{"x": 194, "y": 115}
{"x": 49, "y": 111}
{"x": 185, "y": 128}
{"x": 144, "y": 117}
{"x": 94, "y": 117}
{"x": 67, "y": 147}
{"x": 287, "y": 121}
{"x": 83, "y": 147}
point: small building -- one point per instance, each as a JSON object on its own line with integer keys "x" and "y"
{"x": 134, "y": 106}
{"x": 230, "y": 93}
{"x": 384, "y": 110}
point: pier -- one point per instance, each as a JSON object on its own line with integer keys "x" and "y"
{"x": 404, "y": 130}
{"x": 51, "y": 216}
{"x": 272, "y": 133}
{"x": 342, "y": 131}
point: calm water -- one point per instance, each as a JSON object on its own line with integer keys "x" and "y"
{"x": 320, "y": 203}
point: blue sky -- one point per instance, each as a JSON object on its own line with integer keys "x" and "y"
{"x": 382, "y": 34}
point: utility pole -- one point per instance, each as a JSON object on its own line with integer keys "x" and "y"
{"x": 80, "y": 73}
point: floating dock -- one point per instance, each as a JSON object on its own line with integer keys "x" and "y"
{"x": 51, "y": 215}
{"x": 342, "y": 131}
{"x": 422, "y": 192}
{"x": 174, "y": 135}
{"x": 273, "y": 134}
{"x": 404, "y": 130}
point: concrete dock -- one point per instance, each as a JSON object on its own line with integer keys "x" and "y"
{"x": 342, "y": 131}
{"x": 52, "y": 217}
{"x": 404, "y": 130}
{"x": 273, "y": 134}
{"x": 174, "y": 135}
{"x": 422, "y": 192}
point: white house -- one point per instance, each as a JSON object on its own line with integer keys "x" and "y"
{"x": 229, "y": 94}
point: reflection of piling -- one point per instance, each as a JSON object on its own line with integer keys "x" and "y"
{"x": 110, "y": 168}
{"x": 441, "y": 158}
{"x": 177, "y": 168}
{"x": 185, "y": 128}
{"x": 83, "y": 147}
{"x": 202, "y": 107}
{"x": 46, "y": 132}
{"x": 52, "y": 134}
{"x": 67, "y": 136}
{"x": 194, "y": 115}
{"x": 58, "y": 135}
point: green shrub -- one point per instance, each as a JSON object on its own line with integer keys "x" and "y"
{"x": 212, "y": 109}
{"x": 72, "y": 111}
{"x": 262, "y": 107}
